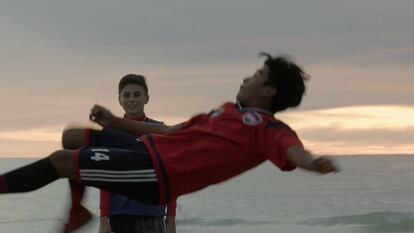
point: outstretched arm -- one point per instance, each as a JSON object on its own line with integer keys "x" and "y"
{"x": 302, "y": 158}
{"x": 105, "y": 118}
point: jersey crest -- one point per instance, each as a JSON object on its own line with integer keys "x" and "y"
{"x": 216, "y": 113}
{"x": 252, "y": 118}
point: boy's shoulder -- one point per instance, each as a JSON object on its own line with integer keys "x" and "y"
{"x": 277, "y": 124}
{"x": 253, "y": 116}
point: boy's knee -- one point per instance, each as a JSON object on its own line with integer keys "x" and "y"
{"x": 73, "y": 138}
{"x": 62, "y": 161}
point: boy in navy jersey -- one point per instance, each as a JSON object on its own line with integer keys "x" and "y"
{"x": 169, "y": 161}
{"x": 120, "y": 214}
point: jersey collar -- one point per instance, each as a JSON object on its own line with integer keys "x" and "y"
{"x": 136, "y": 118}
{"x": 248, "y": 109}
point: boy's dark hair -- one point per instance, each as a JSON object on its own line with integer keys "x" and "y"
{"x": 289, "y": 80}
{"x": 133, "y": 79}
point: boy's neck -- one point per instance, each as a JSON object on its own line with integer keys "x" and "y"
{"x": 257, "y": 109}
{"x": 137, "y": 117}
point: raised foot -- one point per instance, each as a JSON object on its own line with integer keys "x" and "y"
{"x": 77, "y": 218}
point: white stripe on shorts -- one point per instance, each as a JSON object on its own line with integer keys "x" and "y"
{"x": 117, "y": 172}
{"x": 147, "y": 175}
{"x": 121, "y": 180}
{"x": 117, "y": 176}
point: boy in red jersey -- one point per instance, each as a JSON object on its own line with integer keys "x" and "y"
{"x": 169, "y": 161}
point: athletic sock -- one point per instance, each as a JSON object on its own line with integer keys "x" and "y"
{"x": 29, "y": 178}
{"x": 77, "y": 219}
{"x": 78, "y": 215}
{"x": 3, "y": 185}
{"x": 76, "y": 190}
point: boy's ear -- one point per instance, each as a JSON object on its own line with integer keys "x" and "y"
{"x": 270, "y": 91}
{"x": 147, "y": 99}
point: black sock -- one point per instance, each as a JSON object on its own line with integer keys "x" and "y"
{"x": 29, "y": 178}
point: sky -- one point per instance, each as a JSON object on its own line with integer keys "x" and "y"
{"x": 58, "y": 58}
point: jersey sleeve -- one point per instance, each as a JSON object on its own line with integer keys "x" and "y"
{"x": 193, "y": 120}
{"x": 278, "y": 140}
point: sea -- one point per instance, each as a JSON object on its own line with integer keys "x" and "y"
{"x": 372, "y": 194}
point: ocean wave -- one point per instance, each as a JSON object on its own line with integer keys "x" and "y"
{"x": 371, "y": 222}
{"x": 222, "y": 222}
{"x": 31, "y": 220}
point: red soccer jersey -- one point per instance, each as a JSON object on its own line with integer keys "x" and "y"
{"x": 211, "y": 148}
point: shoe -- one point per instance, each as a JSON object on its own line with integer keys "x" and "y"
{"x": 77, "y": 218}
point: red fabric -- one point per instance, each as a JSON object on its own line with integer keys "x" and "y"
{"x": 75, "y": 161}
{"x": 77, "y": 218}
{"x": 141, "y": 117}
{"x": 105, "y": 203}
{"x": 3, "y": 185}
{"x": 285, "y": 139}
{"x": 212, "y": 148}
{"x": 172, "y": 207}
{"x": 76, "y": 191}
{"x": 160, "y": 177}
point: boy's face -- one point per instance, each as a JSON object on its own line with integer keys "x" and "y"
{"x": 253, "y": 92}
{"x": 132, "y": 99}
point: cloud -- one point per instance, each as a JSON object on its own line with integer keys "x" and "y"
{"x": 385, "y": 137}
{"x": 354, "y": 117}
{"x": 348, "y": 130}
{"x": 22, "y": 148}
{"x": 356, "y": 130}
{"x": 335, "y": 86}
{"x": 38, "y": 141}
{"x": 40, "y": 134}
{"x": 213, "y": 31}
{"x": 64, "y": 56}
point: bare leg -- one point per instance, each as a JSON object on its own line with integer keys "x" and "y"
{"x": 62, "y": 161}
{"x": 73, "y": 138}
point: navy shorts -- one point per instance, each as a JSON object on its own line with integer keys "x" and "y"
{"x": 125, "y": 223}
{"x": 119, "y": 163}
